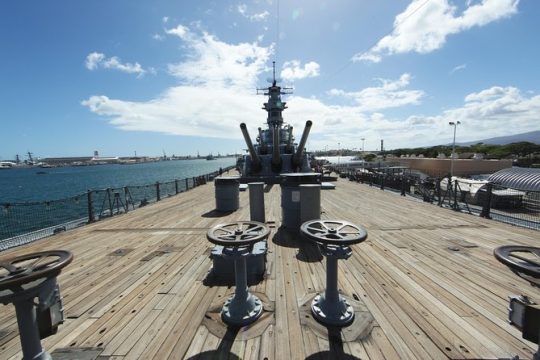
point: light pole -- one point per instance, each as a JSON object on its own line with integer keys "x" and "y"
{"x": 339, "y": 152}
{"x": 454, "y": 124}
{"x": 363, "y": 139}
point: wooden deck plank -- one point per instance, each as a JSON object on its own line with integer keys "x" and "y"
{"x": 428, "y": 302}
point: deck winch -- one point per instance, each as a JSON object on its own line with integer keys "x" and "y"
{"x": 24, "y": 278}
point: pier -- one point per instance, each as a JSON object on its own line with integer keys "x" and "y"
{"x": 426, "y": 278}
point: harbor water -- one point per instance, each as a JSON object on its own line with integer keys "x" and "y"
{"x": 38, "y": 202}
{"x": 37, "y": 184}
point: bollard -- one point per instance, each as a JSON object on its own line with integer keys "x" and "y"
{"x": 256, "y": 201}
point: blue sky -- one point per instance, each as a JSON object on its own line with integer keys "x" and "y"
{"x": 179, "y": 76}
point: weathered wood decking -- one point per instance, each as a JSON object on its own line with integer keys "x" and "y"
{"x": 137, "y": 286}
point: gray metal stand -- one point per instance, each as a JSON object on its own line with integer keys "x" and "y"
{"x": 28, "y": 330}
{"x": 35, "y": 278}
{"x": 334, "y": 237}
{"x": 523, "y": 313}
{"x": 330, "y": 307}
{"x": 242, "y": 308}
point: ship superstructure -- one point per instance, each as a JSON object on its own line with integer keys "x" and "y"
{"x": 275, "y": 151}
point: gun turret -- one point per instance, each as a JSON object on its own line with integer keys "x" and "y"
{"x": 276, "y": 159}
{"x": 263, "y": 149}
{"x": 290, "y": 142}
{"x": 297, "y": 158}
{"x": 255, "y": 160}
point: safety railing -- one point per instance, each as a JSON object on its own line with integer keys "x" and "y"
{"x": 488, "y": 200}
{"x": 24, "y": 222}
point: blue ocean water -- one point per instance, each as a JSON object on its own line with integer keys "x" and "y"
{"x": 36, "y": 184}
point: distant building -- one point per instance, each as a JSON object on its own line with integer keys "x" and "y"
{"x": 66, "y": 160}
{"x": 104, "y": 160}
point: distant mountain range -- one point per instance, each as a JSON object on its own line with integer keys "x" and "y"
{"x": 532, "y": 136}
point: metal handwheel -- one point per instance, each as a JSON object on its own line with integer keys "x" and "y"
{"x": 242, "y": 308}
{"x": 241, "y": 233}
{"x": 22, "y": 280}
{"x": 335, "y": 232}
{"x": 523, "y": 313}
{"x": 510, "y": 256}
{"x": 26, "y": 268}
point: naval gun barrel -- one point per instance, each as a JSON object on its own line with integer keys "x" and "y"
{"x": 276, "y": 159}
{"x": 297, "y": 158}
{"x": 255, "y": 160}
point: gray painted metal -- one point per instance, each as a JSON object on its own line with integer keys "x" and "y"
{"x": 310, "y": 204}
{"x": 227, "y": 193}
{"x": 331, "y": 308}
{"x": 243, "y": 307}
{"x": 223, "y": 266}
{"x": 256, "y": 201}
{"x": 291, "y": 198}
{"x": 525, "y": 179}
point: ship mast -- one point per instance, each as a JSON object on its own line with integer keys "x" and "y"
{"x": 274, "y": 107}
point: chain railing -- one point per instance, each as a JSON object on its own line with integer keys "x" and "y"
{"x": 488, "y": 200}
{"x": 24, "y": 222}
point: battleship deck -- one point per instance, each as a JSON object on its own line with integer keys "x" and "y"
{"x": 138, "y": 287}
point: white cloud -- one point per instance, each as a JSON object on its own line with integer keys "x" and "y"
{"x": 293, "y": 70}
{"x": 212, "y": 61}
{"x": 242, "y": 10}
{"x": 390, "y": 94}
{"x": 93, "y": 60}
{"x": 458, "y": 68}
{"x": 424, "y": 26}
{"x": 216, "y": 94}
{"x": 487, "y": 113}
{"x": 158, "y": 37}
{"x": 181, "y": 31}
{"x": 165, "y": 19}
{"x": 97, "y": 60}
